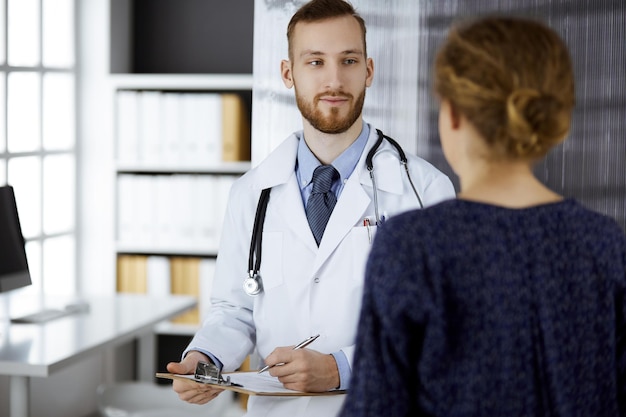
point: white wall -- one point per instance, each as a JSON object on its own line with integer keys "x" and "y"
{"x": 72, "y": 391}
{"x": 96, "y": 253}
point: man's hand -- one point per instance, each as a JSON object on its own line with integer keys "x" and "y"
{"x": 191, "y": 391}
{"x": 304, "y": 369}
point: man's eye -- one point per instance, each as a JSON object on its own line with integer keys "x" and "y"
{"x": 350, "y": 61}
{"x": 316, "y": 63}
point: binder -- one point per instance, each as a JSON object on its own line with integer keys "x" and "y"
{"x": 185, "y": 280}
{"x": 235, "y": 129}
{"x": 132, "y": 274}
{"x": 127, "y": 114}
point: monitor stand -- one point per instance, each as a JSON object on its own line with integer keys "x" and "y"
{"x": 45, "y": 315}
{"x": 41, "y": 315}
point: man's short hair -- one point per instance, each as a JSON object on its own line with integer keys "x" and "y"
{"x": 317, "y": 10}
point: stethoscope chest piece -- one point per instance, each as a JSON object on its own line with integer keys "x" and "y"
{"x": 253, "y": 285}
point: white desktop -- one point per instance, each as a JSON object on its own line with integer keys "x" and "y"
{"x": 42, "y": 349}
{"x": 40, "y": 335}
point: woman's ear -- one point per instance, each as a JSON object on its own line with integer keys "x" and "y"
{"x": 455, "y": 116}
{"x": 449, "y": 117}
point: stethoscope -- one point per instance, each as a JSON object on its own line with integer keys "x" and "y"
{"x": 253, "y": 285}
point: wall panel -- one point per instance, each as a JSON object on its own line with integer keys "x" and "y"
{"x": 402, "y": 39}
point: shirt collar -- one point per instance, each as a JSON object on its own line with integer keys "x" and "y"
{"x": 344, "y": 163}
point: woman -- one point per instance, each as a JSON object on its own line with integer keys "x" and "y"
{"x": 510, "y": 300}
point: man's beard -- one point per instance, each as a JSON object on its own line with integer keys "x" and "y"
{"x": 333, "y": 123}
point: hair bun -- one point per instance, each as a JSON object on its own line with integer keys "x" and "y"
{"x": 533, "y": 124}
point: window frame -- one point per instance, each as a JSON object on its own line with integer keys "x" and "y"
{"x": 40, "y": 153}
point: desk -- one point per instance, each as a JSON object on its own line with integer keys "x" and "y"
{"x": 39, "y": 350}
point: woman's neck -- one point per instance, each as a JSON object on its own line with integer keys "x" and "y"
{"x": 509, "y": 184}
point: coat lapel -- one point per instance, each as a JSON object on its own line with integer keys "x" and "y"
{"x": 356, "y": 196}
{"x": 348, "y": 212}
{"x": 285, "y": 198}
{"x": 288, "y": 203}
{"x": 352, "y": 205}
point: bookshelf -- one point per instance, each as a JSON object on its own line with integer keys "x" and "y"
{"x": 168, "y": 210}
{"x": 174, "y": 165}
{"x": 185, "y": 64}
{"x": 181, "y": 82}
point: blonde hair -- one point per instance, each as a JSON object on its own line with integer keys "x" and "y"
{"x": 512, "y": 79}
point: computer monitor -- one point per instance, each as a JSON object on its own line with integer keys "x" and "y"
{"x": 14, "y": 271}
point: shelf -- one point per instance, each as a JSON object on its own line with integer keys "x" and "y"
{"x": 168, "y": 61}
{"x": 123, "y": 248}
{"x": 218, "y": 82}
{"x": 228, "y": 168}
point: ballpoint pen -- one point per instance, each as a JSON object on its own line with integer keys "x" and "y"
{"x": 300, "y": 345}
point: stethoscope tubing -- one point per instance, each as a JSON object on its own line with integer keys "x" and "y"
{"x": 253, "y": 283}
{"x": 369, "y": 164}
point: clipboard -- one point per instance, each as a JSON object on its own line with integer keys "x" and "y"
{"x": 251, "y": 383}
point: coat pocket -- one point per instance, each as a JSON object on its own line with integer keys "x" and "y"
{"x": 361, "y": 238}
{"x": 272, "y": 262}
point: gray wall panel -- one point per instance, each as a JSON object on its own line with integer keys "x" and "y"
{"x": 403, "y": 37}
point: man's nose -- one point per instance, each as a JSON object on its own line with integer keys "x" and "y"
{"x": 334, "y": 77}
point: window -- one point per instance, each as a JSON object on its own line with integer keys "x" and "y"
{"x": 38, "y": 134}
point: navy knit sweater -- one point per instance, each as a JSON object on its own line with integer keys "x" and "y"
{"x": 471, "y": 309}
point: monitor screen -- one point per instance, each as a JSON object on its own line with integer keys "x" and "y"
{"x": 14, "y": 271}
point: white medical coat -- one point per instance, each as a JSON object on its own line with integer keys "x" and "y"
{"x": 307, "y": 290}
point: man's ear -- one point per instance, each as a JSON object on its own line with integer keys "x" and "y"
{"x": 369, "y": 78}
{"x": 286, "y": 73}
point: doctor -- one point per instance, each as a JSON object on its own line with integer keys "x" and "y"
{"x": 307, "y": 288}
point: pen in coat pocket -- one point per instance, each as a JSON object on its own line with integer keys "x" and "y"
{"x": 300, "y": 345}
{"x": 366, "y": 223}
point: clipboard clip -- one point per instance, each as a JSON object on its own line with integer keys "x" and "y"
{"x": 209, "y": 373}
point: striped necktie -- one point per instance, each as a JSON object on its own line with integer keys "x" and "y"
{"x": 322, "y": 200}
